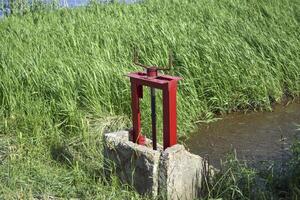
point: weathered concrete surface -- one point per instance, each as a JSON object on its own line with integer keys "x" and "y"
{"x": 136, "y": 165}
{"x": 180, "y": 174}
{"x": 174, "y": 173}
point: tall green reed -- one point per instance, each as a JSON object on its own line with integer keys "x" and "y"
{"x": 232, "y": 55}
{"x": 62, "y": 73}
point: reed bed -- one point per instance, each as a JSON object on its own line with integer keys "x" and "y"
{"x": 62, "y": 79}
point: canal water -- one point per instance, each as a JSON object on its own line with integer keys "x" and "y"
{"x": 257, "y": 137}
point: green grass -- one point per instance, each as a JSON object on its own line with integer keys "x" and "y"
{"x": 236, "y": 180}
{"x": 62, "y": 79}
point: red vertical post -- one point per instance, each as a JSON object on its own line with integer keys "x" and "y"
{"x": 169, "y": 114}
{"x": 136, "y": 94}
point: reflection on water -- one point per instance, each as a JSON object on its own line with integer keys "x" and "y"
{"x": 257, "y": 136}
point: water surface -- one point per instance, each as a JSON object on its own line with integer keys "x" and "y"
{"x": 256, "y": 136}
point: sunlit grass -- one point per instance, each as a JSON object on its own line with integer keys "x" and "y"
{"x": 62, "y": 70}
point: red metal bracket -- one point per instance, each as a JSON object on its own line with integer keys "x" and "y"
{"x": 168, "y": 85}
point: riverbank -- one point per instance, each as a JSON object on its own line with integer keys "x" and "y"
{"x": 62, "y": 80}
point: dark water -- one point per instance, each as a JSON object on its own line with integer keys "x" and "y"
{"x": 256, "y": 136}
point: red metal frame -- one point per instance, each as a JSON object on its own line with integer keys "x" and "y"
{"x": 168, "y": 85}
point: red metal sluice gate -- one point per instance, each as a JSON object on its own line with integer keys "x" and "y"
{"x": 168, "y": 85}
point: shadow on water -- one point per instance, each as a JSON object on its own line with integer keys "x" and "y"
{"x": 257, "y": 136}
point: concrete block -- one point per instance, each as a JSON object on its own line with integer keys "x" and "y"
{"x": 174, "y": 173}
{"x": 180, "y": 174}
{"x": 135, "y": 165}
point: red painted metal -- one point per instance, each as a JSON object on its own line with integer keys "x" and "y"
{"x": 152, "y": 72}
{"x": 168, "y": 85}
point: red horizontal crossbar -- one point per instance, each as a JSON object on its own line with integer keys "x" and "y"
{"x": 158, "y": 82}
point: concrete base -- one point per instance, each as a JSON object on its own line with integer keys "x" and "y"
{"x": 180, "y": 173}
{"x": 174, "y": 173}
{"x": 135, "y": 164}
